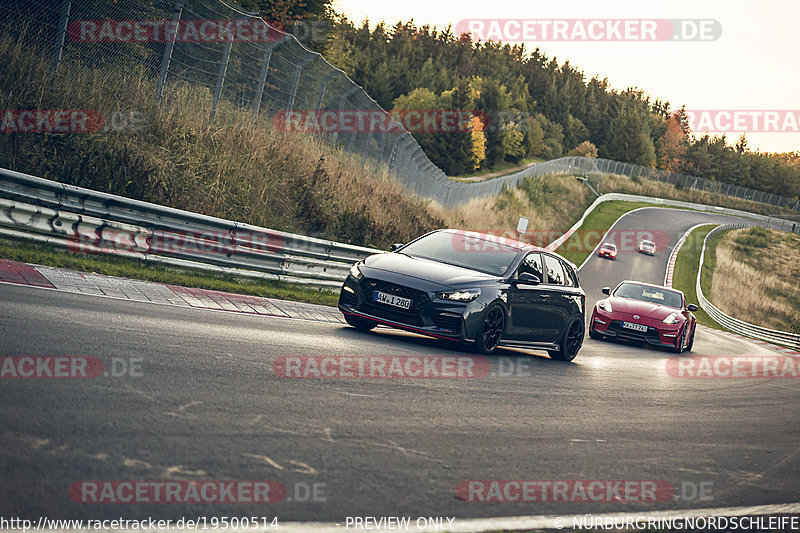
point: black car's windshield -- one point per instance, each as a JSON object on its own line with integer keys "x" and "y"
{"x": 464, "y": 249}
{"x": 655, "y": 295}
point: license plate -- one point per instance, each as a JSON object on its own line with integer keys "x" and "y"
{"x": 635, "y": 327}
{"x": 391, "y": 299}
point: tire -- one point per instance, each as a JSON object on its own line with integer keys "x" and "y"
{"x": 491, "y": 330}
{"x": 571, "y": 342}
{"x": 361, "y": 324}
{"x": 691, "y": 340}
{"x": 595, "y": 335}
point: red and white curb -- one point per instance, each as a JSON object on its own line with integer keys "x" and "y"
{"x": 673, "y": 256}
{"x": 146, "y": 291}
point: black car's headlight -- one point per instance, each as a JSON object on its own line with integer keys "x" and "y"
{"x": 463, "y": 295}
{"x": 355, "y": 271}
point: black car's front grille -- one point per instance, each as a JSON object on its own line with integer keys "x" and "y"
{"x": 391, "y": 313}
{"x": 650, "y": 335}
{"x": 448, "y": 322}
{"x": 411, "y": 316}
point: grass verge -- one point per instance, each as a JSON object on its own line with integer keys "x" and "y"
{"x": 503, "y": 169}
{"x": 551, "y": 203}
{"x": 179, "y": 157}
{"x": 43, "y": 254}
{"x": 766, "y": 263}
{"x": 582, "y": 243}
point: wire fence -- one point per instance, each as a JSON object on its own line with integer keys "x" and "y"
{"x": 600, "y": 168}
{"x": 248, "y": 66}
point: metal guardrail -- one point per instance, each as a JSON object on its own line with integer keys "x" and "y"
{"x": 94, "y": 222}
{"x": 783, "y": 338}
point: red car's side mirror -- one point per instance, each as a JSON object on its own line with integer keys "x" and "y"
{"x": 606, "y": 290}
{"x": 691, "y": 307}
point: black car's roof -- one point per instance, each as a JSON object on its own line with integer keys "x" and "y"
{"x": 511, "y": 243}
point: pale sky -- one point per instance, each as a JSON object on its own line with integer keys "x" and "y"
{"x": 752, "y": 66}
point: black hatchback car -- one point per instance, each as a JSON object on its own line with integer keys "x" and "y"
{"x": 473, "y": 288}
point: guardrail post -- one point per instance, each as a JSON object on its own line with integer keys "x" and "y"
{"x": 58, "y": 48}
{"x": 168, "y": 47}
{"x": 223, "y": 69}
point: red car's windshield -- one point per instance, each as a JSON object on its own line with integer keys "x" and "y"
{"x": 646, "y": 293}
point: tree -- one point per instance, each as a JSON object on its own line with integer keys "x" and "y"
{"x": 494, "y": 100}
{"x": 584, "y": 149}
{"x": 478, "y": 142}
{"x": 629, "y": 138}
{"x": 672, "y": 148}
{"x": 575, "y": 133}
{"x": 379, "y": 86}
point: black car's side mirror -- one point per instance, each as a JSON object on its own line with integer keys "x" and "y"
{"x": 395, "y": 246}
{"x": 527, "y": 277}
{"x": 606, "y": 291}
{"x": 691, "y": 307}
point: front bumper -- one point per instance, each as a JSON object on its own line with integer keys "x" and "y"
{"x": 428, "y": 315}
{"x": 654, "y": 336}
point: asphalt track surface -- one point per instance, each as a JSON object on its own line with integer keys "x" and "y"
{"x": 208, "y": 406}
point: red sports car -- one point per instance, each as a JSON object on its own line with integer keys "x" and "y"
{"x": 608, "y": 250}
{"x": 646, "y": 247}
{"x": 646, "y": 313}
